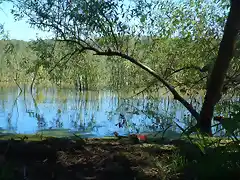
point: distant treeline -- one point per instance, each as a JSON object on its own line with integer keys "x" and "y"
{"x": 46, "y": 62}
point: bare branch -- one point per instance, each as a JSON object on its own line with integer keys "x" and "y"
{"x": 144, "y": 67}
{"x": 153, "y": 73}
{"x": 194, "y": 83}
{"x": 111, "y": 28}
{"x": 64, "y": 57}
{"x": 150, "y": 84}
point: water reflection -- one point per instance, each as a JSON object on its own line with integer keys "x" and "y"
{"x": 93, "y": 113}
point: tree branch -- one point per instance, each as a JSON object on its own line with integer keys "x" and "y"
{"x": 153, "y": 73}
{"x": 57, "y": 63}
{"x": 111, "y": 28}
{"x": 186, "y": 68}
{"x": 176, "y": 95}
{"x": 150, "y": 84}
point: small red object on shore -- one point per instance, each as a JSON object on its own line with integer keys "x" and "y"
{"x": 142, "y": 137}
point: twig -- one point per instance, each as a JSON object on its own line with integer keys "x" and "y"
{"x": 57, "y": 63}
{"x": 140, "y": 92}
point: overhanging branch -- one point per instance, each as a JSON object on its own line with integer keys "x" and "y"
{"x": 144, "y": 67}
{"x": 153, "y": 73}
{"x": 64, "y": 57}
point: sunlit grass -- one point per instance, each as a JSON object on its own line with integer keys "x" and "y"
{"x": 41, "y": 136}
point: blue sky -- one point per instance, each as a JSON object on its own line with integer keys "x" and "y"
{"x": 19, "y": 30}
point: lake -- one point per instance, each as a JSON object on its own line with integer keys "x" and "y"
{"x": 90, "y": 113}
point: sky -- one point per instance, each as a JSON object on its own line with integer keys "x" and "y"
{"x": 19, "y": 30}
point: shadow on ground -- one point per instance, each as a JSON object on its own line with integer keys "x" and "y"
{"x": 65, "y": 159}
{"x": 219, "y": 162}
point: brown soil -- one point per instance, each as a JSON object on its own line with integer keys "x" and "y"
{"x": 98, "y": 159}
{"x": 61, "y": 159}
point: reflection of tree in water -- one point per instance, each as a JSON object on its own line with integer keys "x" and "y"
{"x": 84, "y": 118}
{"x": 57, "y": 121}
{"x": 74, "y": 123}
{"x": 82, "y": 125}
{"x": 10, "y": 126}
{"x": 146, "y": 114}
{"x": 41, "y": 122}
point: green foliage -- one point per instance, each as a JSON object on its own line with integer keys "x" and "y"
{"x": 231, "y": 122}
{"x": 175, "y": 38}
{"x": 171, "y": 37}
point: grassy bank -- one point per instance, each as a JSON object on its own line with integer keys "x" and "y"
{"x": 111, "y": 158}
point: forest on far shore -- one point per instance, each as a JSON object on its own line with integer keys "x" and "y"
{"x": 183, "y": 62}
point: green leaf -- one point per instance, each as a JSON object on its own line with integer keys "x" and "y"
{"x": 143, "y": 18}
{"x": 201, "y": 147}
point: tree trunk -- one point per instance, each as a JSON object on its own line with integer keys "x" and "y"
{"x": 221, "y": 65}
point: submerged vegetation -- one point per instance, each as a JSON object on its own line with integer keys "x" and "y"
{"x": 182, "y": 48}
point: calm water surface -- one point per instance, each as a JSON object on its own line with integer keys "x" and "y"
{"x": 91, "y": 113}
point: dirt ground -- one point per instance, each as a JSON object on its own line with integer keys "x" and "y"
{"x": 62, "y": 159}
{"x": 98, "y": 159}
